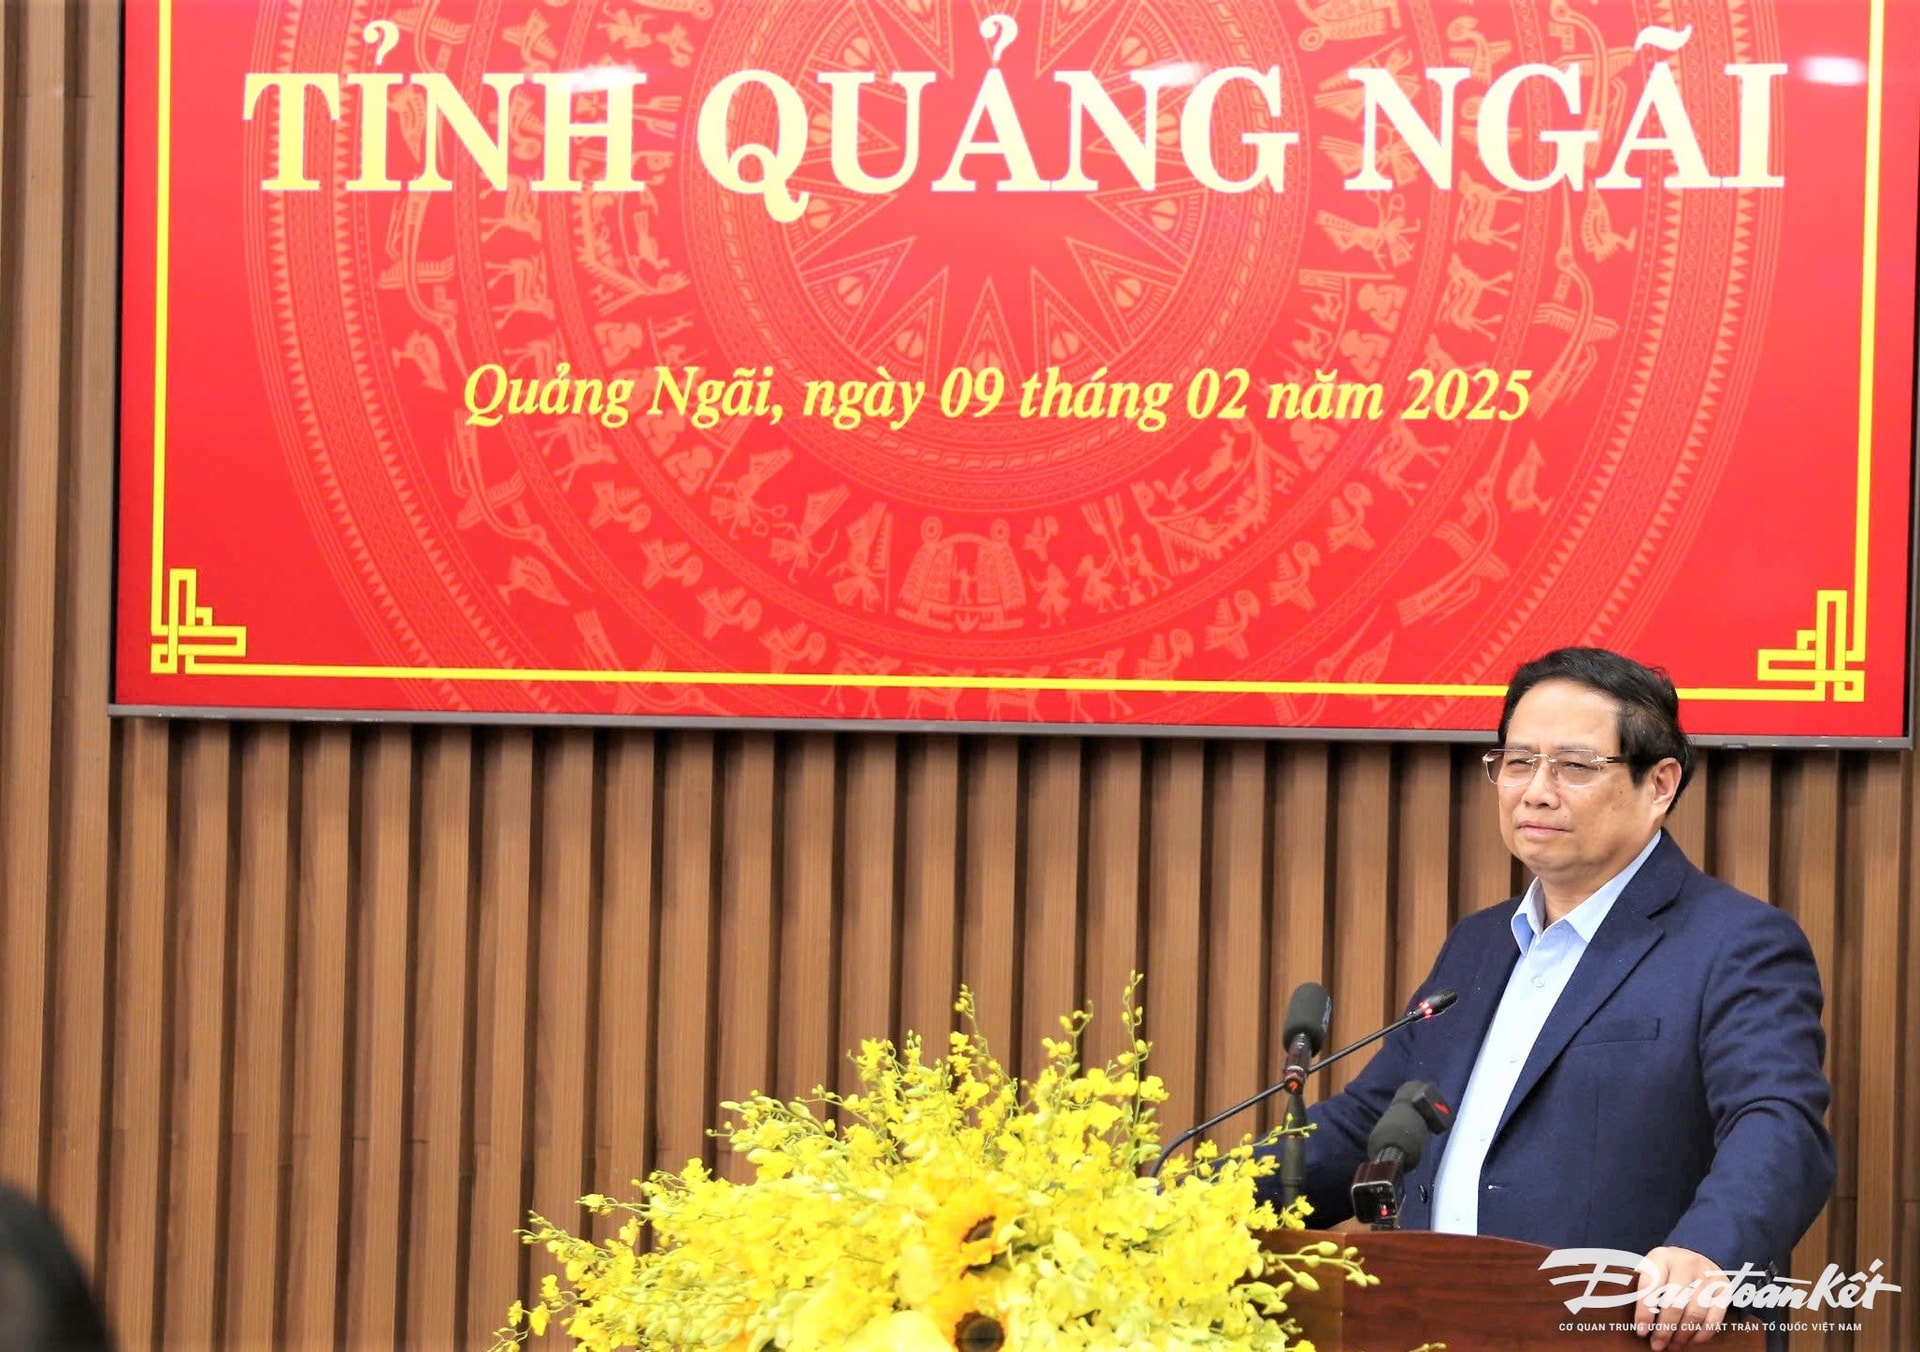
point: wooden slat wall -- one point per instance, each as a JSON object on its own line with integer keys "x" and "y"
{"x": 297, "y": 1023}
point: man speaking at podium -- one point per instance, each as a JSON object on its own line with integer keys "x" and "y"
{"x": 1635, "y": 1058}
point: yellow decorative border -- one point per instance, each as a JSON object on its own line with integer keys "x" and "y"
{"x": 184, "y": 634}
{"x": 1826, "y": 662}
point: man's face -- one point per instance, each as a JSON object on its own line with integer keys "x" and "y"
{"x": 1576, "y": 837}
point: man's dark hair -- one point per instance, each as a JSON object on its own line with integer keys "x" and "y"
{"x": 46, "y": 1304}
{"x": 1648, "y": 723}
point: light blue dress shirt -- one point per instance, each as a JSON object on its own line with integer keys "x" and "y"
{"x": 1547, "y": 959}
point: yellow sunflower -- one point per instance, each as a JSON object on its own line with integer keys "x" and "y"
{"x": 965, "y": 1233}
{"x": 965, "y": 1312}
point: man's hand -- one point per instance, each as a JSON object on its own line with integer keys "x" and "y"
{"x": 1678, "y": 1278}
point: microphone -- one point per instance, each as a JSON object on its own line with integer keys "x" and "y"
{"x": 1421, "y": 1011}
{"x": 1423, "y": 1096}
{"x": 1395, "y": 1148}
{"x": 1309, "y": 1018}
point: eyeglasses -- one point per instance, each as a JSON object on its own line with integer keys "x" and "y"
{"x": 1569, "y": 769}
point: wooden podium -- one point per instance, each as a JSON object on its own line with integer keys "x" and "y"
{"x": 1471, "y": 1292}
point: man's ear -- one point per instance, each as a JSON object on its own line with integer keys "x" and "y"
{"x": 1666, "y": 783}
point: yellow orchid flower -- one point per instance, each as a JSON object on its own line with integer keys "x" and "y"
{"x": 943, "y": 1206}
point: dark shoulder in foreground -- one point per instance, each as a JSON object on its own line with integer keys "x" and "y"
{"x": 1707, "y": 901}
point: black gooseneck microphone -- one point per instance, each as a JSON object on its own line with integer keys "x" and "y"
{"x": 1421, "y": 1011}
{"x": 1309, "y": 1021}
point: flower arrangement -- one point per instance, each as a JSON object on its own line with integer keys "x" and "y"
{"x": 950, "y": 1207}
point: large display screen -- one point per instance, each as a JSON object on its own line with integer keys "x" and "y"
{"x": 1161, "y": 364}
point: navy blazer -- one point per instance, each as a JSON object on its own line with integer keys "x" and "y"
{"x": 1674, "y": 1096}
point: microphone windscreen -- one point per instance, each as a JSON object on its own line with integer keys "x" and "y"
{"x": 1441, "y": 1000}
{"x": 1403, "y": 1127}
{"x": 1310, "y": 1014}
{"x": 1423, "y": 1096}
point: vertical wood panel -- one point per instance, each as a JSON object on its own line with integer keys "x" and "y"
{"x": 990, "y": 960}
{"x": 1423, "y": 843}
{"x": 83, "y": 739}
{"x": 869, "y": 962}
{"x": 624, "y": 1055}
{"x": 1909, "y": 1264}
{"x": 807, "y": 922}
{"x": 1174, "y": 993}
{"x": 749, "y": 930}
{"x": 199, "y": 1011}
{"x": 1905, "y": 1316}
{"x": 442, "y": 1080}
{"x": 1909, "y": 1257}
{"x": 1237, "y": 934}
{"x": 749, "y": 924}
{"x": 30, "y": 470}
{"x": 1843, "y": 993}
{"x": 1298, "y": 951}
{"x": 1115, "y": 874}
{"x": 385, "y": 1046}
{"x": 262, "y": 1078}
{"x": 1884, "y": 822}
{"x": 1050, "y": 967}
{"x": 930, "y": 919}
{"x": 563, "y": 1079}
{"x": 563, "y": 984}
{"x": 137, "y": 1159}
{"x": 1362, "y": 909}
{"x": 1743, "y": 823}
{"x": 685, "y": 1019}
{"x": 501, "y": 1018}
{"x": 322, "y": 1040}
{"x": 1808, "y": 887}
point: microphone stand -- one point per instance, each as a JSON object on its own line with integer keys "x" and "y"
{"x": 1293, "y": 1153}
{"x": 1426, "y": 1009}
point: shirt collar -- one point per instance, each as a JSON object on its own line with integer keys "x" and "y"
{"x": 1583, "y": 919}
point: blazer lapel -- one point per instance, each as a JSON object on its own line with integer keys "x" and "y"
{"x": 1622, "y": 940}
{"x": 1481, "y": 979}
{"x": 1480, "y": 993}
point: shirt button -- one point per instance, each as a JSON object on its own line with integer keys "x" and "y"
{"x": 1539, "y": 981}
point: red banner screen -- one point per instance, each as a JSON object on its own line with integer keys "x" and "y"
{"x": 1300, "y": 365}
